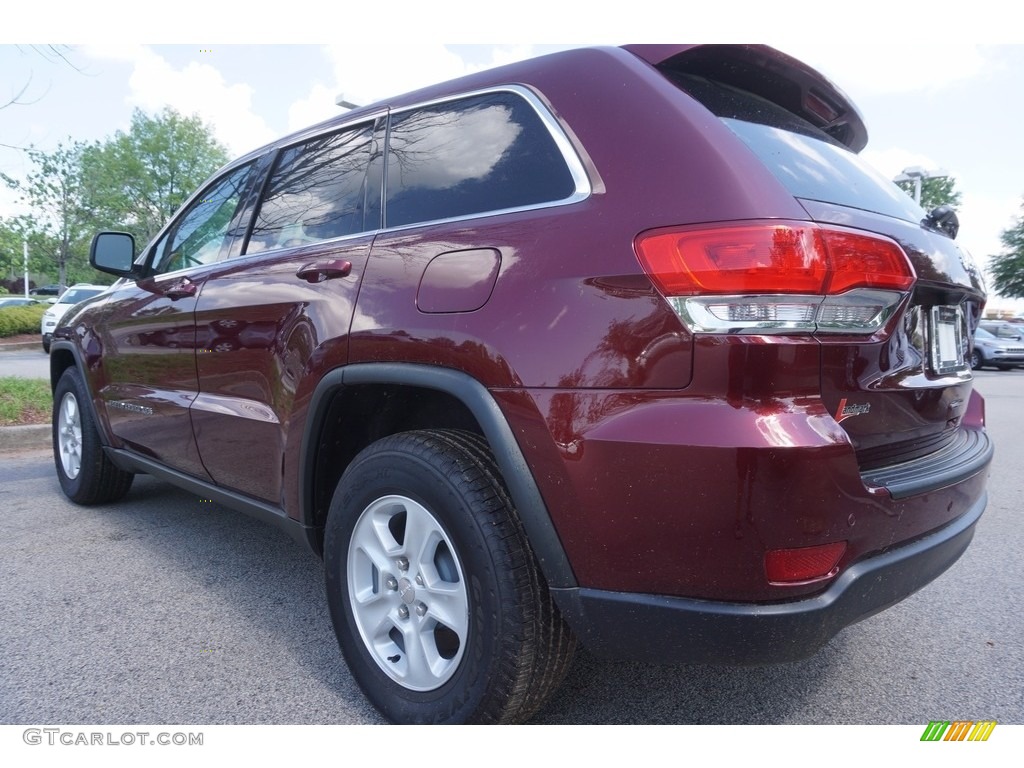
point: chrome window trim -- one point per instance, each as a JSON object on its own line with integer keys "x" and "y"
{"x": 316, "y": 132}
{"x": 577, "y": 172}
{"x": 311, "y": 244}
{"x": 581, "y": 181}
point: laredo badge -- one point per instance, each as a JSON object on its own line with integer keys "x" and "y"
{"x": 845, "y": 411}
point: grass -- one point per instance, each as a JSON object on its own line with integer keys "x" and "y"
{"x": 24, "y": 401}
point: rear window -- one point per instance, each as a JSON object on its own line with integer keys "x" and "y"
{"x": 807, "y": 161}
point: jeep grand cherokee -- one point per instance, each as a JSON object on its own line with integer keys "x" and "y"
{"x": 624, "y": 346}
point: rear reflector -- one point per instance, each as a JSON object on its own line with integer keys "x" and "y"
{"x": 788, "y": 566}
{"x": 776, "y": 275}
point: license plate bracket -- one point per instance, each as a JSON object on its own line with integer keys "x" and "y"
{"x": 946, "y": 340}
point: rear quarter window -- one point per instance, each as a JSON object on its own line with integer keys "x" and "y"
{"x": 484, "y": 153}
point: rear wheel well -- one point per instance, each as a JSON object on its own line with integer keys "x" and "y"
{"x": 359, "y": 415}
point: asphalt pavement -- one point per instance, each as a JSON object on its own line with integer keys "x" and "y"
{"x": 165, "y": 608}
{"x": 25, "y": 363}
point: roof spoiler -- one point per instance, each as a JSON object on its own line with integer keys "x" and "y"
{"x": 770, "y": 74}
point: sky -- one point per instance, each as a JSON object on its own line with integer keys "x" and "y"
{"x": 942, "y": 94}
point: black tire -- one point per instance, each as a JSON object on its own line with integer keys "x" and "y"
{"x": 976, "y": 361}
{"x": 508, "y": 648}
{"x": 85, "y": 473}
{"x": 46, "y": 346}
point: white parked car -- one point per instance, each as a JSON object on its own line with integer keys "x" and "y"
{"x": 70, "y": 297}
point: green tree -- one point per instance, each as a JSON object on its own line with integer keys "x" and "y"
{"x": 1007, "y": 268}
{"x": 136, "y": 180}
{"x": 935, "y": 191}
{"x": 54, "y": 191}
{"x": 13, "y": 233}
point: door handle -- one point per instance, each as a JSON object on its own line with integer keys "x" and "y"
{"x": 182, "y": 289}
{"x": 318, "y": 271}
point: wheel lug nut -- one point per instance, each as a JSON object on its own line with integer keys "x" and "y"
{"x": 419, "y": 580}
{"x": 390, "y": 583}
{"x": 402, "y": 563}
{"x": 403, "y": 612}
{"x": 421, "y": 609}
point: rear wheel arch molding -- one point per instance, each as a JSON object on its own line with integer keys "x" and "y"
{"x": 529, "y": 504}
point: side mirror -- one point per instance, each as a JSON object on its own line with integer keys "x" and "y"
{"x": 113, "y": 253}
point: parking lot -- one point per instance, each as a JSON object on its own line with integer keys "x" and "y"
{"x": 165, "y": 608}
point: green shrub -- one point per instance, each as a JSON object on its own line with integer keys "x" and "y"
{"x": 15, "y": 320}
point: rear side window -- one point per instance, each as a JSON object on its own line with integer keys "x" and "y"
{"x": 484, "y": 153}
{"x": 317, "y": 192}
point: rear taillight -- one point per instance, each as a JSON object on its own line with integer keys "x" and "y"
{"x": 776, "y": 276}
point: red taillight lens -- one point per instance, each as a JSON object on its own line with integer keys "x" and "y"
{"x": 786, "y": 566}
{"x": 736, "y": 259}
{"x": 777, "y": 277}
{"x": 865, "y": 261}
{"x": 770, "y": 258}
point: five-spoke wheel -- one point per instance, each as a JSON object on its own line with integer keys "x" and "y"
{"x": 69, "y": 435}
{"x": 436, "y": 598}
{"x": 408, "y": 593}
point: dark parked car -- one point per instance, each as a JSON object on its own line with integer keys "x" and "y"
{"x": 47, "y": 290}
{"x": 623, "y": 346}
{"x": 996, "y": 351}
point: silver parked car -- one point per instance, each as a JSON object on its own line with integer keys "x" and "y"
{"x": 997, "y": 352}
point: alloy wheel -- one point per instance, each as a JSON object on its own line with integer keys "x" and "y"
{"x": 69, "y": 436}
{"x": 408, "y": 593}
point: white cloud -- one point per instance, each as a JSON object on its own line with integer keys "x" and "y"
{"x": 196, "y": 88}
{"x": 891, "y": 68}
{"x": 318, "y": 105}
{"x": 982, "y": 220}
{"x": 364, "y": 75}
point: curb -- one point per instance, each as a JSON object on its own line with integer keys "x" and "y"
{"x": 24, "y": 438}
{"x": 18, "y": 346}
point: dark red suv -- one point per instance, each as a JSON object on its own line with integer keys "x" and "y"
{"x": 619, "y": 345}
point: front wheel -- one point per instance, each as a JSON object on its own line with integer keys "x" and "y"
{"x": 437, "y": 601}
{"x": 85, "y": 473}
{"x": 976, "y": 361}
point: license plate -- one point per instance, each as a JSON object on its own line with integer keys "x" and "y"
{"x": 946, "y": 340}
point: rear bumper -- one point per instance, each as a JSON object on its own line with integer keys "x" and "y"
{"x": 655, "y": 628}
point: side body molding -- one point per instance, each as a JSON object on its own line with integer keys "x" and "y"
{"x": 530, "y": 505}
